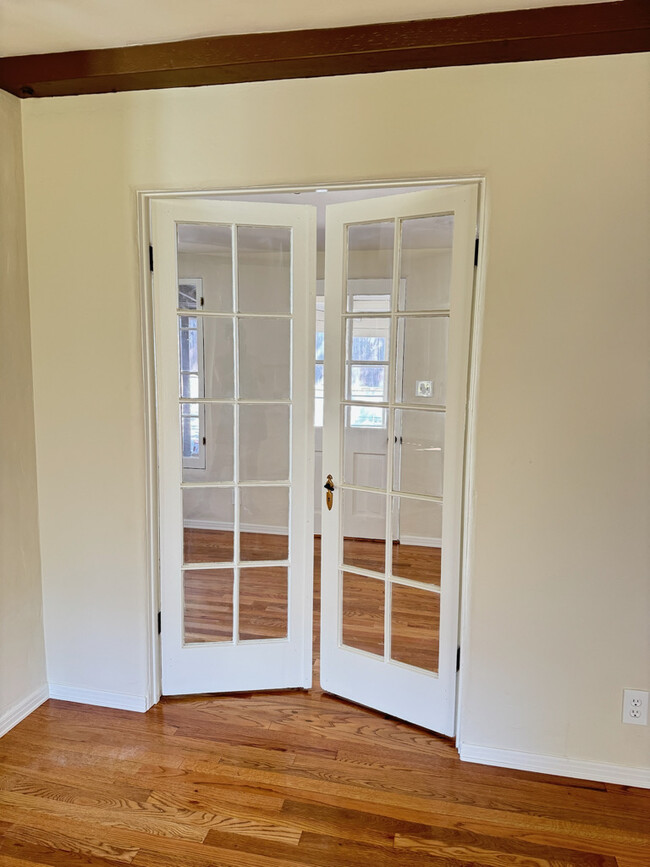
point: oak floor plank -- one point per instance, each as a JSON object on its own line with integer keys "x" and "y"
{"x": 492, "y": 852}
{"x": 53, "y": 847}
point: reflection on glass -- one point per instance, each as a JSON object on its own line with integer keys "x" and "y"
{"x": 419, "y": 452}
{"x": 264, "y": 523}
{"x": 417, "y": 546}
{"x": 422, "y": 375}
{"x": 218, "y": 357}
{"x": 208, "y": 522}
{"x": 415, "y": 626}
{"x": 364, "y": 447}
{"x": 264, "y": 266}
{"x": 263, "y": 602}
{"x": 370, "y": 266}
{"x": 364, "y": 530}
{"x": 425, "y": 270}
{"x": 264, "y": 359}
{"x": 264, "y": 437}
{"x": 362, "y": 615}
{"x": 204, "y": 267}
{"x": 208, "y": 608}
{"x": 214, "y": 461}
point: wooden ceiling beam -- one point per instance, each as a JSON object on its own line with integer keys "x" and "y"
{"x": 498, "y": 37}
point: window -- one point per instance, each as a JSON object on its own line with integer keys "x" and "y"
{"x": 190, "y": 347}
{"x": 368, "y": 359}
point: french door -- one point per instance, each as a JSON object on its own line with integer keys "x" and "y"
{"x": 234, "y": 294}
{"x": 398, "y": 290}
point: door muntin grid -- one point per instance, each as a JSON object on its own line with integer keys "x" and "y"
{"x": 414, "y": 423}
{"x": 257, "y": 457}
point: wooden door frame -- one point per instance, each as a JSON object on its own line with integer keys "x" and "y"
{"x": 144, "y": 199}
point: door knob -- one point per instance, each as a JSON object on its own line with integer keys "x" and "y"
{"x": 329, "y": 487}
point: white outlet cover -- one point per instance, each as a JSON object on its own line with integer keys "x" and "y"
{"x": 635, "y": 707}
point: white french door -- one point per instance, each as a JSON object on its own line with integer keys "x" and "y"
{"x": 398, "y": 294}
{"x": 234, "y": 295}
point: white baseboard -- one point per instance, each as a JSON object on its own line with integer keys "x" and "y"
{"x": 245, "y": 528}
{"x": 100, "y": 698}
{"x": 21, "y": 709}
{"x": 602, "y": 772}
{"x": 420, "y": 541}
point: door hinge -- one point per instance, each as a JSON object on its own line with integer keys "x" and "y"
{"x": 475, "y": 253}
{"x": 151, "y": 258}
{"x": 458, "y": 659}
{"x": 159, "y": 622}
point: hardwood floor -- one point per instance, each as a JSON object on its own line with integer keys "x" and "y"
{"x": 293, "y": 779}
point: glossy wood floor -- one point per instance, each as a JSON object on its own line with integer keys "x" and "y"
{"x": 293, "y": 779}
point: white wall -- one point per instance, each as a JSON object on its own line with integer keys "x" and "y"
{"x": 559, "y": 598}
{"x": 23, "y": 680}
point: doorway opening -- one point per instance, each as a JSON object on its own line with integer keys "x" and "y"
{"x": 386, "y": 353}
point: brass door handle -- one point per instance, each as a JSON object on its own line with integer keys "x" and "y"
{"x": 329, "y": 487}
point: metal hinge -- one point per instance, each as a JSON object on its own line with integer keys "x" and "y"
{"x": 151, "y": 258}
{"x": 159, "y": 622}
{"x": 475, "y": 253}
{"x": 458, "y": 659}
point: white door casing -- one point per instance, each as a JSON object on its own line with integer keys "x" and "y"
{"x": 374, "y": 678}
{"x": 235, "y": 665}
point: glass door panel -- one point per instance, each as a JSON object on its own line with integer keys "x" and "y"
{"x": 234, "y": 300}
{"x": 398, "y": 284}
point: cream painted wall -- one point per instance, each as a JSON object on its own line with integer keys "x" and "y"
{"x": 559, "y": 600}
{"x": 22, "y": 654}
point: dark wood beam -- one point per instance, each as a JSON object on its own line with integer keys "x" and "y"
{"x": 499, "y": 37}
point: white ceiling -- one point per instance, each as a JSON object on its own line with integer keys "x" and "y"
{"x": 43, "y": 26}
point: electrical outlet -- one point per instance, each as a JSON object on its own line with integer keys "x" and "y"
{"x": 635, "y": 707}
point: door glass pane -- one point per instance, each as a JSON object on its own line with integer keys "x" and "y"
{"x": 213, "y": 460}
{"x": 264, "y": 266}
{"x": 370, "y": 265}
{"x": 368, "y": 339}
{"x": 365, "y": 447}
{"x": 415, "y": 626}
{"x": 364, "y": 530}
{"x": 417, "y": 540}
{"x": 263, "y": 602}
{"x": 208, "y": 525}
{"x": 204, "y": 267}
{"x": 264, "y": 523}
{"x": 419, "y": 452}
{"x": 422, "y": 375}
{"x": 319, "y": 386}
{"x": 208, "y": 608}
{"x": 362, "y": 615}
{"x": 264, "y": 436}
{"x": 425, "y": 267}
{"x": 264, "y": 359}
{"x": 218, "y": 357}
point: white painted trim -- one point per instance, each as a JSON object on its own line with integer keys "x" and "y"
{"x": 22, "y": 709}
{"x": 100, "y": 698}
{"x": 581, "y": 769}
{"x": 154, "y": 675}
{"x": 227, "y": 525}
{"x": 469, "y": 491}
{"x": 421, "y": 541}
